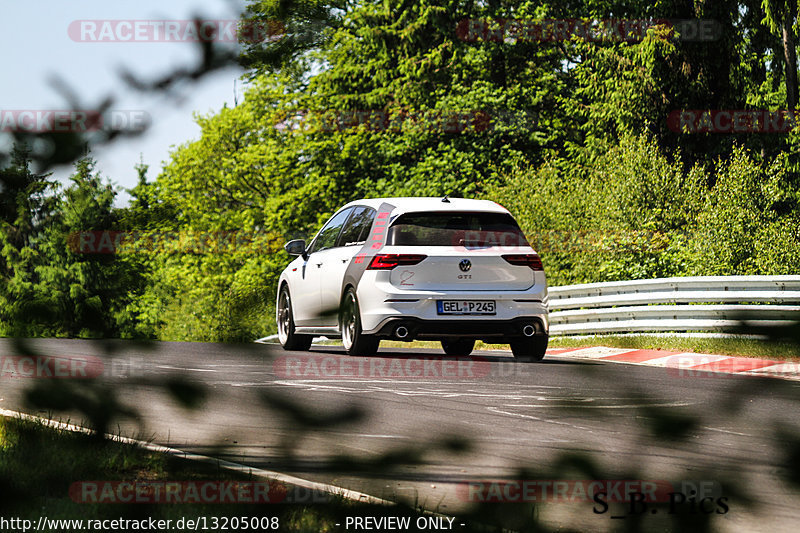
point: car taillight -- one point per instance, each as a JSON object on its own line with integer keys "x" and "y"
{"x": 389, "y": 261}
{"x": 530, "y": 260}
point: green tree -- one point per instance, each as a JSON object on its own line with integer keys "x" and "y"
{"x": 781, "y": 17}
{"x": 57, "y": 288}
{"x": 749, "y": 223}
{"x": 27, "y": 210}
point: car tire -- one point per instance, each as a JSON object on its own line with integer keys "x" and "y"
{"x": 458, "y": 347}
{"x": 285, "y": 319}
{"x": 530, "y": 349}
{"x": 353, "y": 338}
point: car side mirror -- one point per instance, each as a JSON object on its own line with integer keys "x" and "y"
{"x": 296, "y": 247}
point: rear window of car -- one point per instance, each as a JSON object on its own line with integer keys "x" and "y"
{"x": 469, "y": 229}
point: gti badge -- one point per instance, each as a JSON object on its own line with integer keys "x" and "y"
{"x": 465, "y": 265}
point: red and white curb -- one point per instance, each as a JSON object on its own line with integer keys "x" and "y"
{"x": 685, "y": 364}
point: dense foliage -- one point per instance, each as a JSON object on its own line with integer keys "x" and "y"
{"x": 372, "y": 99}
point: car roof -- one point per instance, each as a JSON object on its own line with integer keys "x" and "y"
{"x": 416, "y": 204}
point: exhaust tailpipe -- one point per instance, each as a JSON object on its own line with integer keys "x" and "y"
{"x": 401, "y": 332}
{"x": 529, "y": 331}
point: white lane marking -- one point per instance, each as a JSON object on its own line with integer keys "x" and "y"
{"x": 595, "y": 352}
{"x": 696, "y": 359}
{"x": 229, "y": 465}
{"x": 317, "y": 386}
{"x": 661, "y": 361}
{"x": 623, "y": 406}
{"x": 727, "y": 431}
{"x": 679, "y": 360}
{"x": 240, "y": 383}
{"x": 382, "y": 436}
{"x": 537, "y": 418}
{"x": 294, "y": 382}
{"x": 185, "y": 369}
{"x": 271, "y": 339}
{"x": 789, "y": 370}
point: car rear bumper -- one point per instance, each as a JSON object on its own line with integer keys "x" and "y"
{"x": 380, "y": 302}
{"x": 475, "y": 327}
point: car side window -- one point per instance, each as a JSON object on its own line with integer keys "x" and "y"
{"x": 326, "y": 238}
{"x": 357, "y": 227}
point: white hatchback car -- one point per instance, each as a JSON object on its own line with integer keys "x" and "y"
{"x": 446, "y": 269}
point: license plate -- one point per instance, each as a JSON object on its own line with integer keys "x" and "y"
{"x": 465, "y": 307}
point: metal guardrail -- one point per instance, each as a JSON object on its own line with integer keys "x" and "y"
{"x": 706, "y": 304}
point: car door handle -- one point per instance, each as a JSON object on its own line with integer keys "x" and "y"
{"x": 345, "y": 260}
{"x": 319, "y": 265}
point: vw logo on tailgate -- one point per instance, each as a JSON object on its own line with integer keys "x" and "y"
{"x": 465, "y": 265}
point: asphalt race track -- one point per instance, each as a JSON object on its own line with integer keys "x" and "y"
{"x": 450, "y": 426}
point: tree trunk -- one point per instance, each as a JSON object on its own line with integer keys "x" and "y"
{"x": 790, "y": 55}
